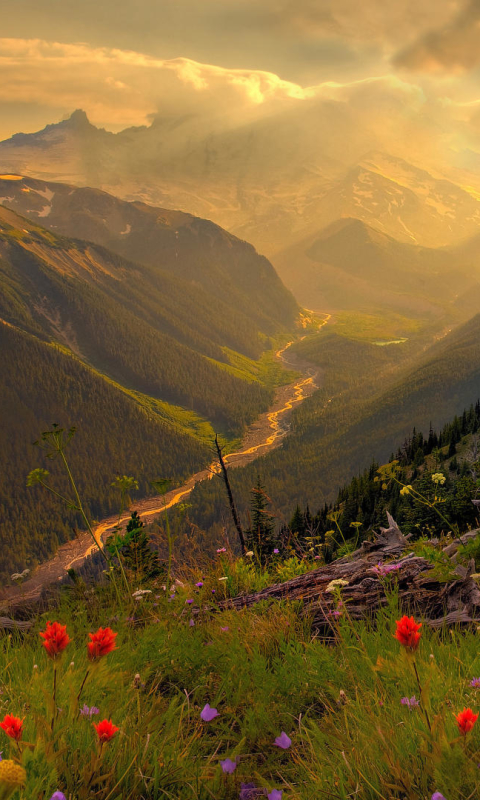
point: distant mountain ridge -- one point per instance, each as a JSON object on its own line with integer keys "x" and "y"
{"x": 272, "y": 183}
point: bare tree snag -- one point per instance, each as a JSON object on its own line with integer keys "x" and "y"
{"x": 231, "y": 501}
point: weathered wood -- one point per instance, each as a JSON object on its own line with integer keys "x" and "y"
{"x": 10, "y": 624}
{"x": 419, "y": 590}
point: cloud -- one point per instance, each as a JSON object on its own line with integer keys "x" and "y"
{"x": 454, "y": 48}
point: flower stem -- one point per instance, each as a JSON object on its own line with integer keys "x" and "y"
{"x": 54, "y": 695}
{"x": 420, "y": 691}
{"x": 81, "y": 687}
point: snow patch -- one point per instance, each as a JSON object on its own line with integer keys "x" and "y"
{"x": 44, "y": 212}
{"x": 6, "y": 200}
{"x": 46, "y": 193}
{"x": 127, "y": 230}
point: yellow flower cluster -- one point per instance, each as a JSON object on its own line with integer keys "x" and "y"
{"x": 438, "y": 478}
{"x": 12, "y": 773}
{"x": 12, "y": 776}
{"x": 406, "y": 489}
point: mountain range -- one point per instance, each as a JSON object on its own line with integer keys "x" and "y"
{"x": 272, "y": 182}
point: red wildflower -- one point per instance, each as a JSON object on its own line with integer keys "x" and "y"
{"x": 55, "y": 638}
{"x": 466, "y": 720}
{"x": 106, "y": 730}
{"x": 102, "y": 642}
{"x": 407, "y": 632}
{"x": 13, "y": 726}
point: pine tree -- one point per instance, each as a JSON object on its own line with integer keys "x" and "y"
{"x": 260, "y": 537}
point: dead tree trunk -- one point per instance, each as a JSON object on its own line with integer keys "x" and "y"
{"x": 231, "y": 501}
{"x": 420, "y": 589}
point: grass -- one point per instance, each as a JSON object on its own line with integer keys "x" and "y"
{"x": 264, "y": 670}
{"x": 373, "y": 328}
{"x": 267, "y": 370}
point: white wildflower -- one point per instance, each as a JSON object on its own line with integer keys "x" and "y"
{"x": 338, "y": 583}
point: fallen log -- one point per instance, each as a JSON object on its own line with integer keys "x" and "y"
{"x": 365, "y": 572}
{"x": 12, "y": 624}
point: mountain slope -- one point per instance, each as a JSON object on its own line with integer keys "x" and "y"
{"x": 350, "y": 265}
{"x": 196, "y": 250}
{"x": 41, "y": 383}
{"x": 120, "y": 318}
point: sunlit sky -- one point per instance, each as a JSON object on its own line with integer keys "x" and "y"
{"x": 125, "y": 61}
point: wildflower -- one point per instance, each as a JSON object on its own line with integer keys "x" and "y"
{"x": 102, "y": 642}
{"x": 191, "y": 623}
{"x": 222, "y": 550}
{"x": 276, "y": 551}
{"x": 58, "y": 796}
{"x": 106, "y": 730}
{"x": 275, "y": 794}
{"x": 438, "y": 478}
{"x": 190, "y": 601}
{"x": 406, "y": 489}
{"x": 199, "y": 584}
{"x": 140, "y": 593}
{"x": 88, "y": 712}
{"x": 225, "y": 629}
{"x": 383, "y": 569}
{"x": 213, "y": 591}
{"x": 12, "y": 776}
{"x": 475, "y": 682}
{"x": 13, "y": 726}
{"x": 466, "y": 720}
{"x": 35, "y": 666}
{"x": 249, "y": 554}
{"x": 228, "y": 765}
{"x": 410, "y": 702}
{"x": 55, "y": 638}
{"x": 248, "y": 791}
{"x": 283, "y": 741}
{"x": 407, "y": 632}
{"x": 207, "y": 713}
{"x": 438, "y": 796}
{"x": 336, "y": 584}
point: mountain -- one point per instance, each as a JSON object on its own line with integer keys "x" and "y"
{"x": 242, "y": 286}
{"x": 272, "y": 181}
{"x": 351, "y": 265}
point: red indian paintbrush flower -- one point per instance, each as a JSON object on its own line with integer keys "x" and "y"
{"x": 466, "y": 720}
{"x": 13, "y": 726}
{"x": 55, "y": 638}
{"x": 102, "y": 642}
{"x": 106, "y": 730}
{"x": 407, "y": 632}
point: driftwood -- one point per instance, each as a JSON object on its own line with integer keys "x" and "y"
{"x": 439, "y": 602}
{"x": 10, "y": 624}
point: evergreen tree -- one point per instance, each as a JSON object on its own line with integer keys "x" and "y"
{"x": 260, "y": 537}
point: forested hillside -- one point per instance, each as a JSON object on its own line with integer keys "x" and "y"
{"x": 41, "y": 383}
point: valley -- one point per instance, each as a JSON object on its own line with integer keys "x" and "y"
{"x": 264, "y": 435}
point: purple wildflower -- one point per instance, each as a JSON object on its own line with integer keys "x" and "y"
{"x": 88, "y": 712}
{"x": 225, "y": 629}
{"x": 228, "y": 765}
{"x": 475, "y": 682}
{"x": 190, "y": 601}
{"x": 276, "y": 551}
{"x": 438, "y": 796}
{"x": 207, "y": 713}
{"x": 410, "y": 702}
{"x": 383, "y": 569}
{"x": 58, "y": 796}
{"x": 283, "y": 741}
{"x": 213, "y": 591}
{"x": 275, "y": 794}
{"x": 1, "y": 755}
{"x": 199, "y": 584}
{"x": 191, "y": 623}
{"x": 222, "y": 550}
{"x": 248, "y": 791}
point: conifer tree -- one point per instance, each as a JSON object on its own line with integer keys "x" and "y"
{"x": 260, "y": 537}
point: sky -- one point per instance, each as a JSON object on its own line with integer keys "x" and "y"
{"x": 126, "y": 62}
